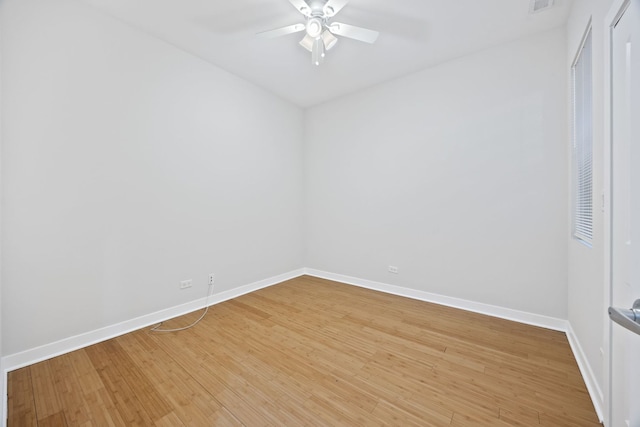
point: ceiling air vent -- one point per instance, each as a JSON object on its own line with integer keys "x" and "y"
{"x": 540, "y": 5}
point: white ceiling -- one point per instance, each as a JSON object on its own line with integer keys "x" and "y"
{"x": 414, "y": 34}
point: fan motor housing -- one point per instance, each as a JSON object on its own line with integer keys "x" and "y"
{"x": 314, "y": 27}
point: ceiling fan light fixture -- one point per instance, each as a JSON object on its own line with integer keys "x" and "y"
{"x": 307, "y": 43}
{"x": 540, "y": 5}
{"x": 314, "y": 27}
{"x": 329, "y": 40}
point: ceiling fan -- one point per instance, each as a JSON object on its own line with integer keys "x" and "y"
{"x": 320, "y": 32}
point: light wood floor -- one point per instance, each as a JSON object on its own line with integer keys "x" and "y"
{"x": 313, "y": 352}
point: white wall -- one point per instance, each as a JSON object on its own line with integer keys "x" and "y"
{"x": 587, "y": 311}
{"x": 455, "y": 174}
{"x": 127, "y": 166}
{"x": 2, "y": 375}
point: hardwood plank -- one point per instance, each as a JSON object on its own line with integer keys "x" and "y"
{"x": 311, "y": 352}
{"x": 169, "y": 420}
{"x": 53, "y": 420}
{"x": 519, "y": 415}
{"x": 477, "y": 419}
{"x": 189, "y": 401}
{"x": 125, "y": 398}
{"x": 21, "y": 405}
{"x": 389, "y": 414}
{"x": 567, "y": 419}
{"x": 67, "y": 387}
{"x": 46, "y": 398}
{"x": 103, "y": 411}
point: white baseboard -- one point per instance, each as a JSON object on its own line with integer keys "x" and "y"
{"x": 476, "y": 307}
{"x": 47, "y": 351}
{"x": 597, "y": 397}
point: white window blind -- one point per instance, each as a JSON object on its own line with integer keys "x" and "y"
{"x": 583, "y": 144}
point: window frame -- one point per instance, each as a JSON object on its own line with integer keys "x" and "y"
{"x": 582, "y": 140}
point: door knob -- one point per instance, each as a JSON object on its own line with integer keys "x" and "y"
{"x": 629, "y": 319}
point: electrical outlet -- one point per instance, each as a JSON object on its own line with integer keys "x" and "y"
{"x": 185, "y": 284}
{"x": 393, "y": 269}
{"x": 212, "y": 278}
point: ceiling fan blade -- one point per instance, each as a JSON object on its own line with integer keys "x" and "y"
{"x": 353, "y": 32}
{"x": 302, "y": 6}
{"x": 290, "y": 29}
{"x": 334, "y": 6}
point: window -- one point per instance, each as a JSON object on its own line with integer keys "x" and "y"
{"x": 583, "y": 144}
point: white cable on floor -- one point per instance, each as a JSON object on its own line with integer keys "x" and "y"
{"x": 209, "y": 293}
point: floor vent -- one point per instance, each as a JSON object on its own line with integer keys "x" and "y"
{"x": 540, "y": 5}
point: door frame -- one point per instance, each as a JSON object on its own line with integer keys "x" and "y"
{"x": 617, "y": 9}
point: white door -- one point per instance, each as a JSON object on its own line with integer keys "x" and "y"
{"x": 625, "y": 213}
